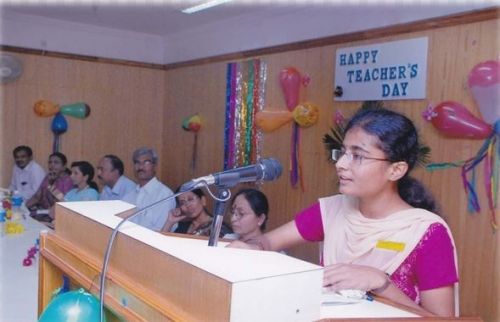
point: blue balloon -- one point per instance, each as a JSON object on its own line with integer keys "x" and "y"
{"x": 59, "y": 124}
{"x": 74, "y": 306}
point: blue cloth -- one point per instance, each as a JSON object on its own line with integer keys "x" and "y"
{"x": 87, "y": 194}
{"x": 119, "y": 190}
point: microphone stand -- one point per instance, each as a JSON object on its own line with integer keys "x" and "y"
{"x": 111, "y": 239}
{"x": 219, "y": 209}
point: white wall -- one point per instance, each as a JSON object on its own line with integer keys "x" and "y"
{"x": 269, "y": 28}
{"x": 245, "y": 33}
{"x": 67, "y": 37}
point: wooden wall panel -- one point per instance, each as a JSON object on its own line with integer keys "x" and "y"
{"x": 135, "y": 106}
{"x": 125, "y": 103}
{"x": 453, "y": 51}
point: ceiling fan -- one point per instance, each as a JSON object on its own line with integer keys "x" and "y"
{"x": 10, "y": 68}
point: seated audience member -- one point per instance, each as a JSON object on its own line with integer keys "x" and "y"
{"x": 56, "y": 183}
{"x": 249, "y": 213}
{"x": 191, "y": 216}
{"x": 85, "y": 189}
{"x": 110, "y": 173}
{"x": 148, "y": 191}
{"x": 381, "y": 233}
{"x": 27, "y": 175}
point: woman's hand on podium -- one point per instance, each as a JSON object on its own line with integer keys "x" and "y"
{"x": 349, "y": 276}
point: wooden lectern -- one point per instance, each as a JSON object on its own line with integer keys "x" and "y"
{"x": 154, "y": 277}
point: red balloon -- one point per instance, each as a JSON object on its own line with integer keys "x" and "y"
{"x": 484, "y": 83}
{"x": 290, "y": 81}
{"x": 194, "y": 127}
{"x": 454, "y": 120}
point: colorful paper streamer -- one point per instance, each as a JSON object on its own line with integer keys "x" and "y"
{"x": 245, "y": 90}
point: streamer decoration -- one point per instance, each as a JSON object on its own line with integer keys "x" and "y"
{"x": 245, "y": 89}
{"x": 490, "y": 154}
{"x": 454, "y": 120}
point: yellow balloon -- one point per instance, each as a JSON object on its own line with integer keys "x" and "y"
{"x": 45, "y": 108}
{"x": 306, "y": 114}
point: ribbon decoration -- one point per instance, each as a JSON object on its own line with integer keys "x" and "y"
{"x": 490, "y": 154}
{"x": 245, "y": 89}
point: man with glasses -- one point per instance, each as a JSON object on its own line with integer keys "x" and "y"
{"x": 148, "y": 191}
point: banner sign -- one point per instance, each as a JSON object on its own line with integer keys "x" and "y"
{"x": 394, "y": 70}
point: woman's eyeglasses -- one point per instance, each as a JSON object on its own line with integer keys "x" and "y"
{"x": 352, "y": 157}
{"x": 237, "y": 214}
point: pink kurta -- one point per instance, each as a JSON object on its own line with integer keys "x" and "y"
{"x": 430, "y": 265}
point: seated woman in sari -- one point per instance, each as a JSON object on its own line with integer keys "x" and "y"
{"x": 381, "y": 233}
{"x": 249, "y": 213}
{"x": 56, "y": 183}
{"x": 191, "y": 216}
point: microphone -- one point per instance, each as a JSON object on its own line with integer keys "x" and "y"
{"x": 264, "y": 170}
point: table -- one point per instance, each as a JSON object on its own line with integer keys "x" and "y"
{"x": 363, "y": 309}
{"x": 18, "y": 283}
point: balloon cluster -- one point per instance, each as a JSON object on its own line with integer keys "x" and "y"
{"x": 454, "y": 120}
{"x": 46, "y": 108}
{"x": 304, "y": 114}
{"x": 192, "y": 123}
{"x": 59, "y": 125}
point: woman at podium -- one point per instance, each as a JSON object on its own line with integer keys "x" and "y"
{"x": 381, "y": 233}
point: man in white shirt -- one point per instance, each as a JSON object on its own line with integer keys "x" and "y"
{"x": 148, "y": 191}
{"x": 110, "y": 173}
{"x": 27, "y": 175}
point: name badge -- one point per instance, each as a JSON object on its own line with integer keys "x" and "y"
{"x": 390, "y": 245}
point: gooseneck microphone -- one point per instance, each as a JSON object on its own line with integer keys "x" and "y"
{"x": 264, "y": 170}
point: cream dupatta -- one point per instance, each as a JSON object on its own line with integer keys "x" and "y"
{"x": 352, "y": 238}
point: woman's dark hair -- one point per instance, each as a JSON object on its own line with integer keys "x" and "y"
{"x": 87, "y": 170}
{"x": 198, "y": 191}
{"x": 258, "y": 203}
{"x": 398, "y": 139}
{"x": 63, "y": 159}
{"x": 60, "y": 156}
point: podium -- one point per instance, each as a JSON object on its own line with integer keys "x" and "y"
{"x": 155, "y": 277}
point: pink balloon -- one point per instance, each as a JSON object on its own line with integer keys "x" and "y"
{"x": 290, "y": 81}
{"x": 454, "y": 120}
{"x": 484, "y": 83}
